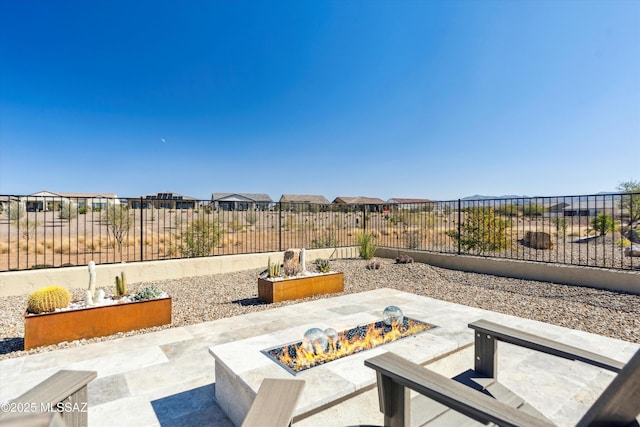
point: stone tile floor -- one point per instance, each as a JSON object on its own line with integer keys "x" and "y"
{"x": 167, "y": 378}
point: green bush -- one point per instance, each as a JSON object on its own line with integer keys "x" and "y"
{"x": 603, "y": 223}
{"x": 82, "y": 210}
{"x": 15, "y": 213}
{"x": 327, "y": 239}
{"x": 561, "y": 226}
{"x": 366, "y": 244}
{"x": 201, "y": 236}
{"x": 533, "y": 209}
{"x": 68, "y": 211}
{"x": 482, "y": 230}
{"x": 251, "y": 217}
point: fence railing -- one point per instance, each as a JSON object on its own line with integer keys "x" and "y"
{"x": 589, "y": 230}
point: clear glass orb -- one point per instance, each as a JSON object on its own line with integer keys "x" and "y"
{"x": 315, "y": 340}
{"x": 392, "y": 314}
{"x": 332, "y": 334}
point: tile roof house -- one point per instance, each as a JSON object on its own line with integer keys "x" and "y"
{"x": 50, "y": 201}
{"x": 165, "y": 200}
{"x": 372, "y": 204}
{"x": 404, "y": 202}
{"x": 241, "y": 201}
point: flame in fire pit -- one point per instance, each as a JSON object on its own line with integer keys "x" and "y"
{"x": 320, "y": 347}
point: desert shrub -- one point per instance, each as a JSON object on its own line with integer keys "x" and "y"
{"x": 482, "y": 230}
{"x": 603, "y": 223}
{"x": 118, "y": 221}
{"x": 327, "y": 239}
{"x": 235, "y": 224}
{"x": 251, "y": 217}
{"x": 201, "y": 236}
{"x": 82, "y": 210}
{"x": 28, "y": 227}
{"x": 367, "y": 248}
{"x": 15, "y": 213}
{"x": 68, "y": 211}
{"x": 630, "y": 202}
{"x": 561, "y": 226}
{"x": 508, "y": 210}
{"x": 533, "y": 209}
{"x": 624, "y": 243}
{"x": 413, "y": 239}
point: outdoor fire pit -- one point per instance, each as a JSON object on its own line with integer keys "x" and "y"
{"x": 319, "y": 347}
{"x": 344, "y": 323}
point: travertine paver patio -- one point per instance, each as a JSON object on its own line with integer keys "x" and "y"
{"x": 168, "y": 377}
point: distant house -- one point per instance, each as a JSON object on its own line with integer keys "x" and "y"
{"x": 5, "y": 201}
{"x": 593, "y": 208}
{"x": 165, "y": 200}
{"x": 404, "y": 203}
{"x": 50, "y": 201}
{"x": 371, "y": 204}
{"x": 297, "y": 201}
{"x": 554, "y": 209}
{"x": 241, "y": 201}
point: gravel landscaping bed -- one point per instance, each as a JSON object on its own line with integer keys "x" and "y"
{"x": 206, "y": 298}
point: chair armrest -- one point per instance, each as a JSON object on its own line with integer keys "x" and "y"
{"x": 535, "y": 342}
{"x": 448, "y": 392}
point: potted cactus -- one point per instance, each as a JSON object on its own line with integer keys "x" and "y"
{"x": 291, "y": 280}
{"x": 52, "y": 318}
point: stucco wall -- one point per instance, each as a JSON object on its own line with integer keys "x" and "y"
{"x": 25, "y": 282}
{"x": 625, "y": 281}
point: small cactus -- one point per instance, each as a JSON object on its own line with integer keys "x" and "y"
{"x": 404, "y": 259}
{"x": 92, "y": 278}
{"x": 273, "y": 269}
{"x": 373, "y": 265}
{"x": 48, "y": 299}
{"x": 99, "y": 296}
{"x": 121, "y": 285}
{"x": 88, "y": 298}
{"x": 322, "y": 265}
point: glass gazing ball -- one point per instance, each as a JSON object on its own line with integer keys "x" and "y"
{"x": 315, "y": 340}
{"x": 392, "y": 314}
{"x": 332, "y": 334}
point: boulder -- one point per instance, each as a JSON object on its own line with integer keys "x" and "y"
{"x": 538, "y": 240}
{"x": 291, "y": 264}
{"x": 633, "y": 250}
{"x": 633, "y": 236}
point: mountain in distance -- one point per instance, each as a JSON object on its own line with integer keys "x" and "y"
{"x": 481, "y": 197}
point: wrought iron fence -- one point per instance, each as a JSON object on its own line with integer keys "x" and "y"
{"x": 591, "y": 230}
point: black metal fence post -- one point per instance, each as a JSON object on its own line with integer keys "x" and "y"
{"x": 459, "y": 226}
{"x": 364, "y": 218}
{"x": 279, "y": 226}
{"x": 141, "y": 233}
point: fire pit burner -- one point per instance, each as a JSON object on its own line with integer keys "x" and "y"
{"x": 302, "y": 355}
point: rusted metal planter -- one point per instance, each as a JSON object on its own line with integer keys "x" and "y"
{"x": 52, "y": 328}
{"x": 299, "y": 287}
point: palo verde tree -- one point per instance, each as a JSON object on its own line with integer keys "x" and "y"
{"x": 630, "y": 201}
{"x": 118, "y": 220}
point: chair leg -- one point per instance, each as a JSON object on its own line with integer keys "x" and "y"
{"x": 486, "y": 362}
{"x": 394, "y": 401}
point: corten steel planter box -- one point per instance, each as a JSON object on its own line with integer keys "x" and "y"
{"x": 69, "y": 325}
{"x": 300, "y": 287}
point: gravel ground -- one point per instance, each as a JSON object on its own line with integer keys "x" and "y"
{"x": 206, "y": 298}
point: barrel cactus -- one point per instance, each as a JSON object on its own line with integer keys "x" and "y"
{"x": 48, "y": 299}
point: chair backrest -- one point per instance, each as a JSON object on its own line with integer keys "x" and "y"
{"x": 619, "y": 404}
{"x": 274, "y": 403}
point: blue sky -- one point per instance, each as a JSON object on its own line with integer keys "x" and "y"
{"x": 424, "y": 99}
